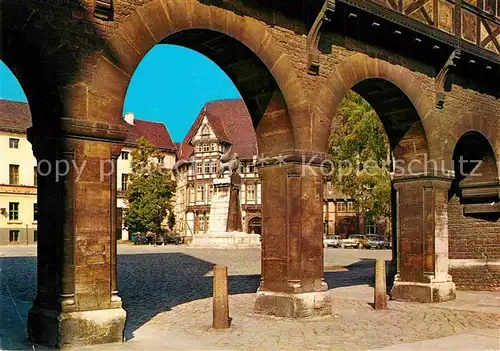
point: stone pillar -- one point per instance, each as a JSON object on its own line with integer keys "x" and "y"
{"x": 76, "y": 302}
{"x": 234, "y": 221}
{"x": 292, "y": 239}
{"x": 115, "y": 153}
{"x": 422, "y": 232}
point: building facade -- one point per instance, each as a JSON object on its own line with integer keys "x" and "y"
{"x": 342, "y": 217}
{"x": 159, "y": 136}
{"x": 18, "y": 170}
{"x": 222, "y": 126}
{"x": 213, "y": 134}
{"x": 18, "y": 200}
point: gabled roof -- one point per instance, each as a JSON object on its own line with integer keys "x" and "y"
{"x": 231, "y": 123}
{"x": 15, "y": 116}
{"x": 155, "y": 132}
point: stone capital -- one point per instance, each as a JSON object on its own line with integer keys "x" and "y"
{"x": 431, "y": 179}
{"x": 50, "y": 146}
{"x": 116, "y": 150}
{"x": 80, "y": 129}
{"x": 312, "y": 159}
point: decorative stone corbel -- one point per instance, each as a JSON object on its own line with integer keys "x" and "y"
{"x": 314, "y": 36}
{"x": 442, "y": 77}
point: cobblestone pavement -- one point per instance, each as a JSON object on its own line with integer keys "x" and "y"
{"x": 166, "y": 292}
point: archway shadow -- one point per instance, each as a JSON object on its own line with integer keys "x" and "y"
{"x": 361, "y": 272}
{"x": 148, "y": 284}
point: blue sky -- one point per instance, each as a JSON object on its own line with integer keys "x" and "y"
{"x": 171, "y": 85}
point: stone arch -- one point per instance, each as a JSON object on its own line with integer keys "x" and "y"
{"x": 470, "y": 122}
{"x": 281, "y": 111}
{"x": 358, "y": 73}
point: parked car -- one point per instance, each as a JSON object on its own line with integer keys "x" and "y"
{"x": 356, "y": 240}
{"x": 173, "y": 239}
{"x": 376, "y": 242}
{"x": 141, "y": 240}
{"x": 159, "y": 240}
{"x": 331, "y": 240}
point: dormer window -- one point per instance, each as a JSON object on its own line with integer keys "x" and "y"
{"x": 205, "y": 132}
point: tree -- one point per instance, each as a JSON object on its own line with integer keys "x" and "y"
{"x": 171, "y": 220}
{"x": 359, "y": 150}
{"x": 150, "y": 190}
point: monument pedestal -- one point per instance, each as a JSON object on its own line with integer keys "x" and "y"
{"x": 226, "y": 240}
{"x": 226, "y": 225}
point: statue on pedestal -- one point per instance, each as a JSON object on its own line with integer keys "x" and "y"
{"x": 228, "y": 163}
{"x": 226, "y": 223}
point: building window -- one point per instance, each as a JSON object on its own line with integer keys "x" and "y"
{"x": 255, "y": 225}
{"x": 207, "y": 168}
{"x": 125, "y": 155}
{"x": 341, "y": 206}
{"x": 200, "y": 190}
{"x": 35, "y": 212}
{"x": 35, "y": 176}
{"x": 191, "y": 194}
{"x": 13, "y": 235}
{"x": 161, "y": 159}
{"x": 213, "y": 147}
{"x": 490, "y": 6}
{"x": 251, "y": 168}
{"x": 206, "y": 147}
{"x": 13, "y": 143}
{"x": 350, "y": 206}
{"x": 199, "y": 168}
{"x": 124, "y": 181}
{"x": 251, "y": 192}
{"x": 205, "y": 132}
{"x": 35, "y": 235}
{"x": 214, "y": 167}
{"x": 370, "y": 228}
{"x": 13, "y": 211}
{"x": 14, "y": 174}
{"x": 198, "y": 148}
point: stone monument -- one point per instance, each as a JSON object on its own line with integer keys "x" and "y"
{"x": 226, "y": 224}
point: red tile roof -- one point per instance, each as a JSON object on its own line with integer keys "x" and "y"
{"x": 15, "y": 116}
{"x": 231, "y": 122}
{"x": 155, "y": 132}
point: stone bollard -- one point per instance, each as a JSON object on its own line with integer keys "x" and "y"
{"x": 220, "y": 301}
{"x": 380, "y": 295}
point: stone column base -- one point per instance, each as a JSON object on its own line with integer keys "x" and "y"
{"x": 423, "y": 292}
{"x": 70, "y": 329}
{"x": 293, "y": 305}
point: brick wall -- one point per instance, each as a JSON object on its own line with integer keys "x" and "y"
{"x": 486, "y": 278}
{"x": 471, "y": 237}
